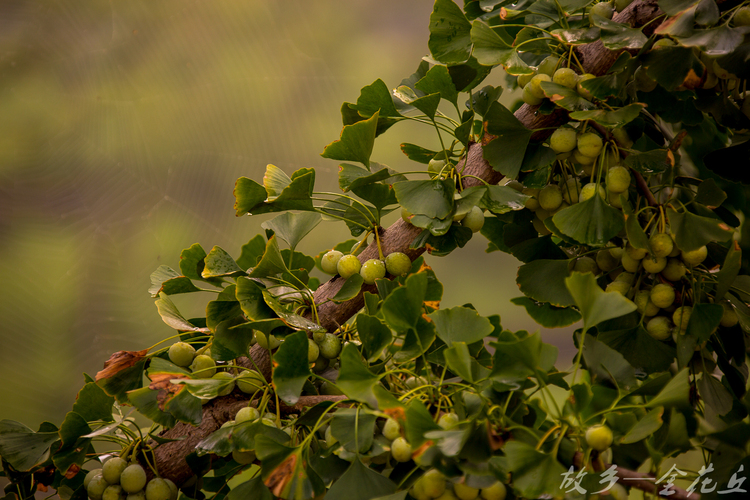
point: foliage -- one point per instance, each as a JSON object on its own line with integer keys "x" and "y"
{"x": 625, "y": 218}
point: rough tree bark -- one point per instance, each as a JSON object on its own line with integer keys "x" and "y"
{"x": 170, "y": 457}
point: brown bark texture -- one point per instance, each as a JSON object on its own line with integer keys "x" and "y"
{"x": 170, "y": 458}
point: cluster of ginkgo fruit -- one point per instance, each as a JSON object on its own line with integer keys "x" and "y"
{"x": 346, "y": 266}
{"x": 202, "y": 366}
{"x": 655, "y": 281}
{"x": 120, "y": 480}
{"x": 251, "y": 414}
{"x": 578, "y": 153}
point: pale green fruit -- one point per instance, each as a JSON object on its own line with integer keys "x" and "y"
{"x": 616, "y": 252}
{"x": 495, "y": 492}
{"x": 318, "y": 337}
{"x": 203, "y": 366}
{"x": 659, "y": 327}
{"x": 681, "y": 317}
{"x": 535, "y": 85}
{"x": 412, "y": 383}
{"x": 321, "y": 364}
{"x": 540, "y": 227}
{"x": 635, "y": 253}
{"x": 674, "y": 270}
{"x": 586, "y": 161}
{"x": 742, "y": 16}
{"x": 138, "y": 495}
{"x": 590, "y": 144}
{"x": 542, "y": 214}
{"x": 330, "y": 347}
{"x": 133, "y": 478}
{"x": 268, "y": 341}
{"x": 250, "y": 381}
{"x": 695, "y": 257}
{"x": 436, "y": 166}
{"x": 599, "y": 437}
{"x": 622, "y": 4}
{"x": 348, "y": 266}
{"x": 243, "y": 457}
{"x": 530, "y": 98}
{"x": 397, "y": 263}
{"x": 618, "y": 179}
{"x": 313, "y": 351}
{"x": 112, "y": 469}
{"x": 654, "y": 265}
{"x": 729, "y": 318}
{"x": 630, "y": 264}
{"x": 661, "y": 244}
{"x": 91, "y": 475}
{"x": 373, "y": 269}
{"x": 532, "y": 203}
{"x": 330, "y": 260}
{"x": 662, "y": 295}
{"x": 523, "y": 80}
{"x": 448, "y": 420}
{"x": 172, "y": 488}
{"x": 401, "y": 450}
{"x": 96, "y": 487}
{"x": 603, "y": 9}
{"x": 550, "y": 198}
{"x": 434, "y": 483}
{"x": 548, "y": 65}
{"x": 586, "y": 264}
{"x": 329, "y": 389}
{"x": 628, "y": 278}
{"x": 643, "y": 303}
{"x": 448, "y": 494}
{"x": 605, "y": 261}
{"x": 589, "y": 189}
{"x": 181, "y": 353}
{"x": 226, "y": 376}
{"x": 474, "y": 220}
{"x": 417, "y": 491}
{"x": 563, "y": 140}
{"x": 114, "y": 492}
{"x": 247, "y": 414}
{"x": 465, "y": 492}
{"x": 620, "y": 287}
{"x": 391, "y": 429}
{"x": 565, "y": 77}
{"x": 615, "y": 199}
{"x": 582, "y": 91}
{"x": 158, "y": 489}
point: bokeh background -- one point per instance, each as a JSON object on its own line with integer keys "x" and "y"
{"x": 123, "y": 126}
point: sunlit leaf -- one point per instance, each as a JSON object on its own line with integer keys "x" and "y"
{"x": 591, "y": 222}
{"x": 291, "y": 367}
{"x": 460, "y": 324}
{"x": 356, "y": 142}
{"x": 292, "y": 227}
{"x": 595, "y": 304}
{"x": 450, "y": 40}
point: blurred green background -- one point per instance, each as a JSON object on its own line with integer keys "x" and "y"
{"x": 124, "y": 126}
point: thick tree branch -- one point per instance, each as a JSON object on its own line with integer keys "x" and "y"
{"x": 397, "y": 237}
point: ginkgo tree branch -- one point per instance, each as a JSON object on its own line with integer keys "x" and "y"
{"x": 595, "y": 58}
